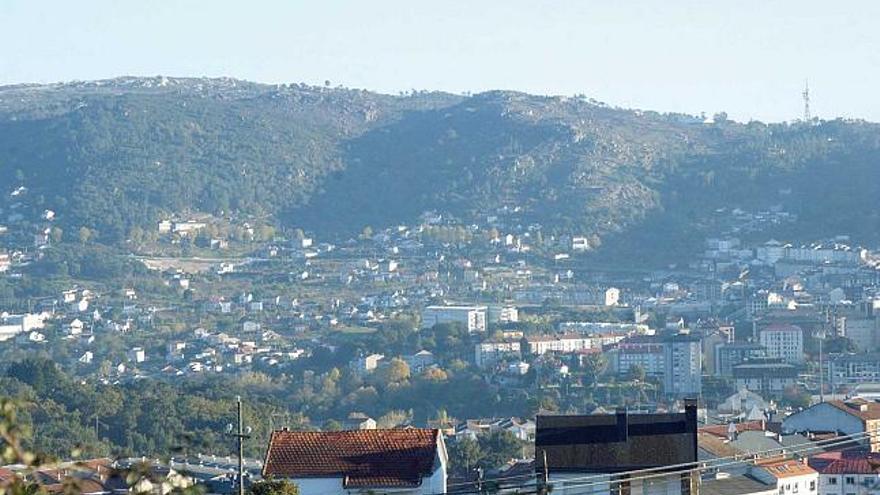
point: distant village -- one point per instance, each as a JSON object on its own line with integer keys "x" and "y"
{"x": 753, "y": 369}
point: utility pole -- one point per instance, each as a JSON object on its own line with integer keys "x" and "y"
{"x": 821, "y": 371}
{"x": 240, "y": 436}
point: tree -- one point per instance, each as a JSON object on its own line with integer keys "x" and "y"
{"x": 465, "y": 453}
{"x": 500, "y": 446}
{"x": 332, "y": 425}
{"x": 367, "y": 232}
{"x": 594, "y": 366}
{"x": 274, "y": 487}
{"x": 56, "y": 234}
{"x": 84, "y": 234}
{"x": 397, "y": 371}
{"x": 637, "y": 372}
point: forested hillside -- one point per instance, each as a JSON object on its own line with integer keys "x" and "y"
{"x": 113, "y": 155}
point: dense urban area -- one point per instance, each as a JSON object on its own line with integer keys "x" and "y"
{"x": 490, "y": 348}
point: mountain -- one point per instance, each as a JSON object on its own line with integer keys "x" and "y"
{"x": 113, "y": 154}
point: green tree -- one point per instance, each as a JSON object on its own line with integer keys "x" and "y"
{"x": 85, "y": 234}
{"x": 637, "y": 372}
{"x": 465, "y": 453}
{"x": 56, "y": 234}
{"x": 594, "y": 365}
{"x": 500, "y": 446}
{"x": 274, "y": 487}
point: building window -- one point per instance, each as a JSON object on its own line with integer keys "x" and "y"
{"x": 850, "y": 480}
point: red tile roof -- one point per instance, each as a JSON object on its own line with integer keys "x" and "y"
{"x": 785, "y": 468}
{"x": 721, "y": 430}
{"x": 866, "y": 410}
{"x": 363, "y": 458}
{"x": 855, "y": 461}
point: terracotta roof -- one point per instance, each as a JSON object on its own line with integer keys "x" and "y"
{"x": 866, "y": 410}
{"x": 785, "y": 469}
{"x": 855, "y": 461}
{"x": 363, "y": 458}
{"x": 721, "y": 430}
{"x": 715, "y": 445}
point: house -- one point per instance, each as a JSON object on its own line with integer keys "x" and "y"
{"x": 75, "y": 327}
{"x": 743, "y": 403}
{"x": 366, "y": 364}
{"x": 420, "y": 360}
{"x": 851, "y": 471}
{"x": 856, "y": 417}
{"x": 601, "y": 446}
{"x": 401, "y": 461}
{"x": 789, "y": 475}
{"x": 359, "y": 421}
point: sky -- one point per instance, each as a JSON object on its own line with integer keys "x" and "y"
{"x": 749, "y": 58}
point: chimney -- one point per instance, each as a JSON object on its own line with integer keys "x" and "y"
{"x": 690, "y": 409}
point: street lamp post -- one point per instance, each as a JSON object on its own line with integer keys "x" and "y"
{"x": 240, "y": 436}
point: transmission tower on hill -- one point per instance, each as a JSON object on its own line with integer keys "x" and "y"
{"x": 806, "y": 95}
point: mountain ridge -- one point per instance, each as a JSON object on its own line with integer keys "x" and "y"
{"x": 111, "y": 155}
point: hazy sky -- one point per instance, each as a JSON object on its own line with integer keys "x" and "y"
{"x": 747, "y": 57}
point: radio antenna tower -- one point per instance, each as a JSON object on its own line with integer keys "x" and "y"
{"x": 806, "y": 95}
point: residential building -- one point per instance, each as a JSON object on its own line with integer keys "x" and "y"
{"x": 488, "y": 354}
{"x": 790, "y": 476}
{"x": 847, "y": 472}
{"x": 783, "y": 341}
{"x": 856, "y": 417}
{"x": 366, "y": 364}
{"x": 766, "y": 376}
{"x": 561, "y": 344}
{"x": 605, "y": 445}
{"x": 401, "y": 461}
{"x": 359, "y": 421}
{"x": 472, "y": 317}
{"x": 729, "y": 355}
{"x": 498, "y": 313}
{"x": 853, "y": 369}
{"x": 643, "y": 351}
{"x": 683, "y": 363}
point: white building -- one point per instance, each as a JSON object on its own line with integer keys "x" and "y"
{"x": 472, "y": 317}
{"x": 366, "y": 364}
{"x": 137, "y": 355}
{"x": 790, "y": 476}
{"x": 846, "y": 472}
{"x": 498, "y": 313}
{"x": 683, "y": 362}
{"x": 12, "y": 325}
{"x": 487, "y": 354}
{"x": 401, "y": 461}
{"x": 563, "y": 344}
{"x": 783, "y": 341}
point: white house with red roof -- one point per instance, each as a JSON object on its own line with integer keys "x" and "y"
{"x": 401, "y": 461}
{"x": 789, "y": 475}
{"x": 854, "y": 471}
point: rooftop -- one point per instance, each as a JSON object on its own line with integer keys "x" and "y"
{"x": 364, "y": 458}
